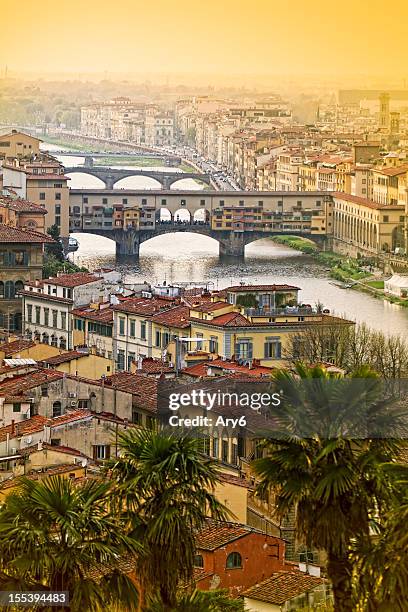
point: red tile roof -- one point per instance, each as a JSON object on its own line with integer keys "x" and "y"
{"x": 230, "y": 319}
{"x": 17, "y": 385}
{"x": 143, "y": 388}
{"x": 154, "y": 366}
{"x": 38, "y": 422}
{"x": 200, "y": 369}
{"x": 45, "y": 296}
{"x": 392, "y": 171}
{"x": 64, "y": 357}
{"x": 210, "y": 306}
{"x": 177, "y": 316}
{"x": 250, "y": 288}
{"x": 102, "y": 315}
{"x": 368, "y": 203}
{"x": 217, "y": 533}
{"x": 144, "y": 306}
{"x": 72, "y": 280}
{"x": 11, "y": 348}
{"x": 282, "y": 587}
{"x": 21, "y": 205}
{"x": 16, "y": 235}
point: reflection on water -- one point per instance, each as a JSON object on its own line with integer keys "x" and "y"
{"x": 192, "y": 258}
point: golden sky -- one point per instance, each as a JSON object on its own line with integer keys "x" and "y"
{"x": 347, "y": 37}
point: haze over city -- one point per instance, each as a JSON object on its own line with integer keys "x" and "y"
{"x": 245, "y": 41}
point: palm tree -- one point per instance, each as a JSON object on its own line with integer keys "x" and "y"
{"x": 325, "y": 460}
{"x": 61, "y": 536}
{"x": 164, "y": 485}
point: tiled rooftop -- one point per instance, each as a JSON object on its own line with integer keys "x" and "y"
{"x": 282, "y": 587}
{"x": 216, "y": 534}
{"x": 21, "y": 205}
{"x": 101, "y": 315}
{"x": 11, "y": 348}
{"x": 144, "y": 306}
{"x": 176, "y": 316}
{"x": 72, "y": 280}
{"x": 16, "y": 235}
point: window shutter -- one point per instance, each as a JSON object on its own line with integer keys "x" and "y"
{"x": 250, "y": 350}
{"x": 107, "y": 454}
{"x": 278, "y": 350}
{"x": 95, "y": 453}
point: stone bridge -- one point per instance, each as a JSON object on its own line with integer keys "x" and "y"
{"x": 231, "y": 243}
{"x": 110, "y": 176}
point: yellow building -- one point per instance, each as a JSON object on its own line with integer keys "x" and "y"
{"x": 389, "y": 185}
{"x": 166, "y": 325}
{"x": 16, "y": 144}
{"x": 81, "y": 363}
{"x": 263, "y": 332}
{"x": 92, "y": 327}
{"x": 18, "y": 348}
{"x": 131, "y": 217}
{"x": 362, "y": 225}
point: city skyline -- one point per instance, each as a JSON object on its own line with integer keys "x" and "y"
{"x": 242, "y": 39}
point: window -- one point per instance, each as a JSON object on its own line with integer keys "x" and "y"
{"x": 42, "y": 195}
{"x": 158, "y": 338}
{"x": 63, "y": 320}
{"x": 385, "y": 218}
{"x": 202, "y": 202}
{"x": 58, "y": 220}
{"x": 44, "y": 390}
{"x": 213, "y": 344}
{"x": 198, "y": 561}
{"x": 83, "y": 404}
{"x": 234, "y": 561}
{"x": 121, "y": 359}
{"x": 29, "y": 313}
{"x": 101, "y": 452}
{"x": 104, "y": 200}
{"x": 143, "y": 330}
{"x": 164, "y": 202}
{"x": 144, "y": 201}
{"x": 84, "y": 200}
{"x": 272, "y": 348}
{"x": 131, "y": 358}
{"x": 244, "y": 349}
{"x": 132, "y": 328}
{"x": 57, "y": 195}
{"x": 17, "y": 407}
{"x": 56, "y": 409}
{"x": 57, "y": 209}
{"x": 37, "y": 314}
{"x": 215, "y": 448}
{"x": 124, "y": 200}
{"x": 55, "y": 318}
{"x": 224, "y": 451}
{"x": 46, "y": 316}
{"x": 136, "y": 416}
{"x": 150, "y": 422}
{"x": 121, "y": 326}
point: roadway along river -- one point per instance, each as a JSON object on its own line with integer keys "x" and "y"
{"x": 189, "y": 257}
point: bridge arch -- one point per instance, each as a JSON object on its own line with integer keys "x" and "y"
{"x": 81, "y": 179}
{"x": 138, "y": 181}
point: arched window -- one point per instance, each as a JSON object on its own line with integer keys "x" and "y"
{"x": 18, "y": 286}
{"x": 234, "y": 560}
{"x": 45, "y": 338}
{"x": 9, "y": 290}
{"x": 63, "y": 342}
{"x": 56, "y": 409}
{"x": 54, "y": 340}
{"x": 198, "y": 561}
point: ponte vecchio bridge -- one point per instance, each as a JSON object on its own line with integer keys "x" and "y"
{"x": 235, "y": 219}
{"x": 110, "y": 176}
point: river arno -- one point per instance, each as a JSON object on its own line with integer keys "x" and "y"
{"x": 190, "y": 258}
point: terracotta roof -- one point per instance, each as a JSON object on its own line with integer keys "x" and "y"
{"x": 216, "y": 534}
{"x": 72, "y": 280}
{"x": 143, "y": 388}
{"x": 37, "y": 422}
{"x": 22, "y": 205}
{"x": 48, "y": 176}
{"x": 200, "y": 369}
{"x": 282, "y": 587}
{"x": 143, "y": 306}
{"x": 66, "y": 450}
{"x": 64, "y": 357}
{"x": 177, "y": 316}
{"x": 102, "y": 315}
{"x": 230, "y": 319}
{"x": 392, "y": 171}
{"x": 151, "y": 365}
{"x": 17, "y": 385}
{"x": 17, "y": 235}
{"x": 368, "y": 203}
{"x": 210, "y": 306}
{"x": 11, "y": 348}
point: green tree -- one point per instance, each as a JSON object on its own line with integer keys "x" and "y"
{"x": 164, "y": 484}
{"x": 321, "y": 462}
{"x": 55, "y": 248}
{"x": 61, "y": 536}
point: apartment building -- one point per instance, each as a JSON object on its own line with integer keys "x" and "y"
{"x": 389, "y": 185}
{"x": 16, "y": 212}
{"x": 159, "y": 128}
{"x": 43, "y": 182}
{"x": 21, "y": 261}
{"x": 18, "y": 145}
{"x": 287, "y": 170}
{"x": 48, "y": 305}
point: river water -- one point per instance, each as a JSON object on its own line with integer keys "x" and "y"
{"x": 192, "y": 258}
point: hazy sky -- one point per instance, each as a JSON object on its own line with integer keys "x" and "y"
{"x": 206, "y": 36}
